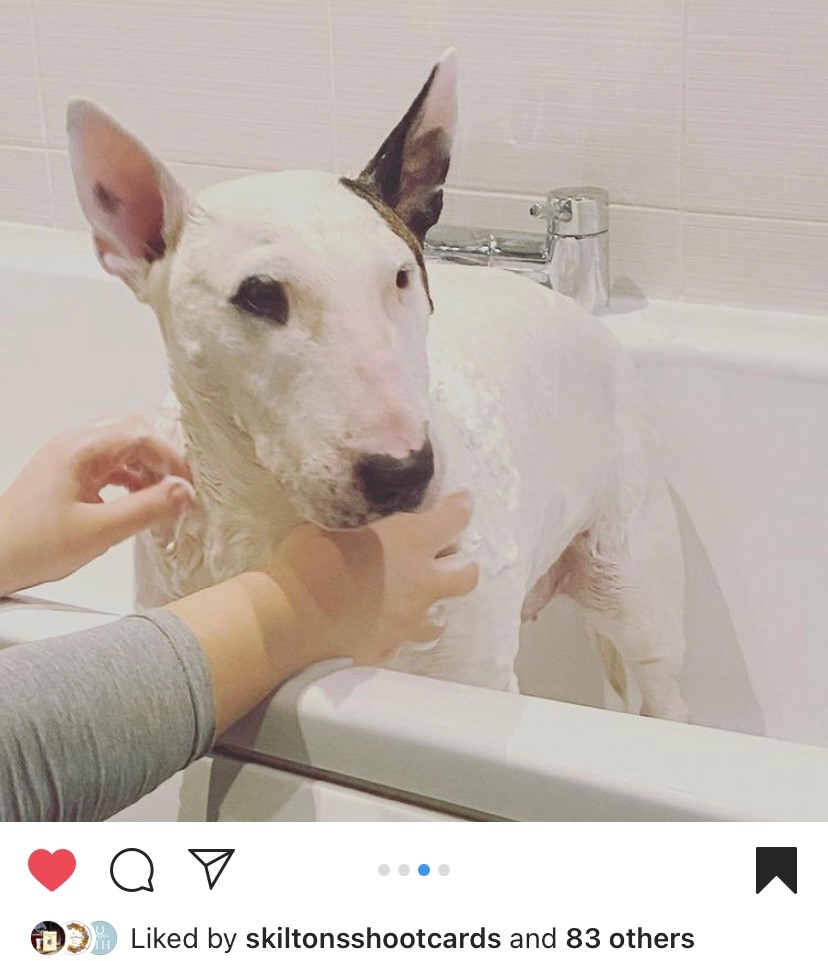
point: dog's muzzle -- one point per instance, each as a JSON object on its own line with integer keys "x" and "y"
{"x": 392, "y": 484}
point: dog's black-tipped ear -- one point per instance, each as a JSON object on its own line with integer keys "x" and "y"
{"x": 133, "y": 204}
{"x": 409, "y": 169}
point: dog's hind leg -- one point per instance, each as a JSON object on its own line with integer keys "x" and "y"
{"x": 626, "y": 573}
{"x": 614, "y": 669}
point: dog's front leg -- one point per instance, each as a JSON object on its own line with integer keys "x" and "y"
{"x": 480, "y": 641}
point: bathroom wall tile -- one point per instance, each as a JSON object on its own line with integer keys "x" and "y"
{"x": 757, "y": 108}
{"x": 24, "y": 186}
{"x": 645, "y": 252}
{"x": 753, "y": 262}
{"x": 241, "y": 83}
{"x": 67, "y": 210}
{"x": 550, "y": 93}
{"x": 20, "y": 115}
{"x": 471, "y": 208}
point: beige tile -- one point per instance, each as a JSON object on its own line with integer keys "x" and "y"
{"x": 757, "y": 108}
{"x": 67, "y": 211}
{"x": 498, "y": 211}
{"x": 756, "y": 263}
{"x": 24, "y": 186}
{"x": 20, "y": 114}
{"x": 645, "y": 252}
{"x": 551, "y": 94}
{"x": 225, "y": 82}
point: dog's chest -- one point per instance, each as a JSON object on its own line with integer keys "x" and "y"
{"x": 515, "y": 413}
{"x": 470, "y": 433}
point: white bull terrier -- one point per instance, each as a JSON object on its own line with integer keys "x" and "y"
{"x": 321, "y": 373}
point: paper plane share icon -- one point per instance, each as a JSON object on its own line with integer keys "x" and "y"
{"x": 214, "y": 861}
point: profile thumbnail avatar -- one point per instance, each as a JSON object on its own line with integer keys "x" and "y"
{"x": 48, "y": 937}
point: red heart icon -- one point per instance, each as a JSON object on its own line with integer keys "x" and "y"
{"x": 52, "y": 869}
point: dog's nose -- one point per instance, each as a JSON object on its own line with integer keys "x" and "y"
{"x": 396, "y": 484}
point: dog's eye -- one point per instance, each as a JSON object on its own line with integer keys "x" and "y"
{"x": 262, "y": 297}
{"x": 402, "y": 279}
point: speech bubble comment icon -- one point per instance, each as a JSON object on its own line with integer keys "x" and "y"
{"x": 131, "y": 870}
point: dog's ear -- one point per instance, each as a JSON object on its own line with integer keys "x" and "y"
{"x": 409, "y": 169}
{"x": 133, "y": 204}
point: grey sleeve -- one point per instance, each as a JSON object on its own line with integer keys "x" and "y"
{"x": 91, "y": 722}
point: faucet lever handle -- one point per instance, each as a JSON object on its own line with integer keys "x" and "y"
{"x": 584, "y": 210}
{"x": 559, "y": 208}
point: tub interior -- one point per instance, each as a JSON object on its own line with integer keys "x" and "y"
{"x": 745, "y": 444}
{"x": 746, "y": 453}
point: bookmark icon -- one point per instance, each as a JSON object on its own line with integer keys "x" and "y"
{"x": 214, "y": 861}
{"x": 775, "y": 863}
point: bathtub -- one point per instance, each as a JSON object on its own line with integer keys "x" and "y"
{"x": 739, "y": 399}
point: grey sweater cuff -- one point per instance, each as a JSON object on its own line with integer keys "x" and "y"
{"x": 92, "y": 721}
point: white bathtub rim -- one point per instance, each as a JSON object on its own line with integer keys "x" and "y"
{"x": 480, "y": 750}
{"x": 760, "y": 342}
{"x": 342, "y": 722}
{"x": 49, "y": 251}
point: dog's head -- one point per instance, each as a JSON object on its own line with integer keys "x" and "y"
{"x": 294, "y": 305}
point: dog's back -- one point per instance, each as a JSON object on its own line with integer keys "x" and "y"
{"x": 539, "y": 390}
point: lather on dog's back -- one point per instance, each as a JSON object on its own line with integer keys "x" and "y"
{"x": 321, "y": 373}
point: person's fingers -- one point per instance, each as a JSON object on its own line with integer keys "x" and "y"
{"x": 454, "y": 580}
{"x": 449, "y": 549}
{"x": 132, "y": 442}
{"x": 441, "y": 525}
{"x": 156, "y": 454}
{"x": 103, "y": 469}
{"x": 426, "y": 633}
{"x": 127, "y": 477}
{"x": 118, "y": 519}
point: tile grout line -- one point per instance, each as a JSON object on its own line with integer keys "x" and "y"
{"x": 42, "y": 111}
{"x": 683, "y": 145}
{"x": 334, "y": 124}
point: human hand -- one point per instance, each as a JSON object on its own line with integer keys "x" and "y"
{"x": 358, "y": 594}
{"x": 52, "y": 517}
{"x": 362, "y": 593}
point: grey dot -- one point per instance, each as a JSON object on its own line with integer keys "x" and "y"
{"x": 443, "y": 869}
{"x": 384, "y": 869}
{"x": 404, "y": 869}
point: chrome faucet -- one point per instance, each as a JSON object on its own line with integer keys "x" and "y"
{"x": 571, "y": 257}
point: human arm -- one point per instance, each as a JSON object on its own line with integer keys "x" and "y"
{"x": 356, "y": 594}
{"x": 91, "y": 722}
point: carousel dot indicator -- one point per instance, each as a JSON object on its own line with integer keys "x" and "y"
{"x": 384, "y": 869}
{"x": 423, "y": 870}
{"x": 404, "y": 869}
{"x": 443, "y": 870}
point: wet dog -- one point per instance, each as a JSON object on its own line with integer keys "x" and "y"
{"x": 320, "y": 372}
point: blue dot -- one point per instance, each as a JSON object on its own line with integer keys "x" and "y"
{"x": 423, "y": 869}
